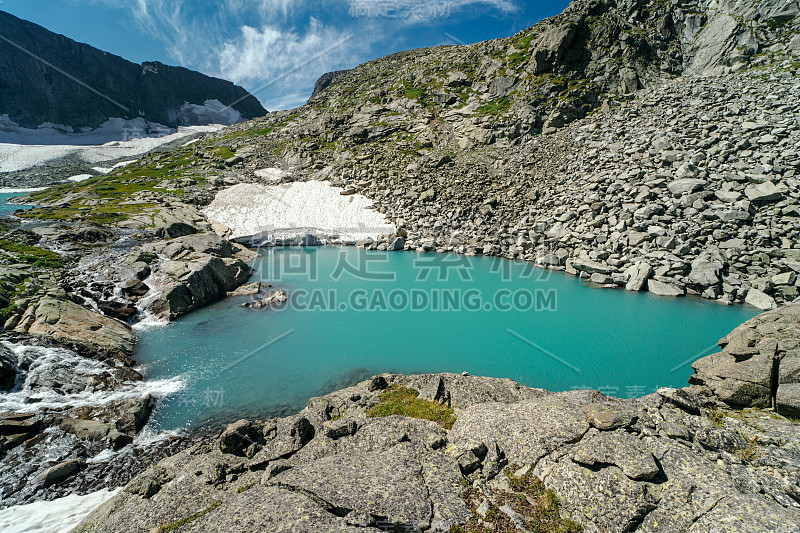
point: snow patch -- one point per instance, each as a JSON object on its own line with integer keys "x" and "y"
{"x": 23, "y": 148}
{"x": 80, "y": 177}
{"x": 55, "y": 516}
{"x": 275, "y": 214}
{"x": 212, "y": 112}
{"x": 13, "y": 190}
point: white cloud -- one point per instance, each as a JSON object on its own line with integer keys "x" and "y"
{"x": 278, "y": 48}
{"x": 417, "y": 12}
{"x": 269, "y": 56}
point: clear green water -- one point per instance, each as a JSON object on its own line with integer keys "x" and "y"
{"x": 622, "y": 343}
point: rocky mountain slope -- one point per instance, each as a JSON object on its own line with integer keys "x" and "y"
{"x": 33, "y": 92}
{"x": 645, "y": 145}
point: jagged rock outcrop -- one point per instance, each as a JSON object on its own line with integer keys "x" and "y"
{"x": 325, "y": 81}
{"x": 615, "y": 465}
{"x": 759, "y": 365}
{"x": 196, "y": 270}
{"x": 33, "y": 93}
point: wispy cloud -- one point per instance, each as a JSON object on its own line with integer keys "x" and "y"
{"x": 252, "y": 42}
{"x": 260, "y": 54}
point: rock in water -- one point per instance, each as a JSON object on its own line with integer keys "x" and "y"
{"x": 275, "y": 298}
{"x": 58, "y": 473}
{"x": 8, "y": 368}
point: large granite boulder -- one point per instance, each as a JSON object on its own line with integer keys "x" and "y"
{"x": 759, "y": 365}
{"x": 196, "y": 270}
{"x": 72, "y": 325}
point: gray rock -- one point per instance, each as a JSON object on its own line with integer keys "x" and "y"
{"x": 618, "y": 448}
{"x": 8, "y": 368}
{"x": 764, "y": 192}
{"x": 591, "y": 267}
{"x": 60, "y": 472}
{"x": 758, "y": 299}
{"x": 639, "y": 274}
{"x": 686, "y": 185}
{"x": 660, "y": 288}
{"x": 706, "y": 270}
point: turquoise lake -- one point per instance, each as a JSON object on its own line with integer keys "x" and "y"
{"x": 355, "y": 313}
{"x": 7, "y": 208}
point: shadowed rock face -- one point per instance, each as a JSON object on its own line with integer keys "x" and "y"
{"x": 33, "y": 93}
{"x": 615, "y": 465}
{"x": 325, "y": 81}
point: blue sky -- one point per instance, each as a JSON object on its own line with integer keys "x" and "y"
{"x": 277, "y": 48}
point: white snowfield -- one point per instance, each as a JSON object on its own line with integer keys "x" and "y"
{"x": 57, "y": 516}
{"x": 23, "y": 148}
{"x": 275, "y": 214}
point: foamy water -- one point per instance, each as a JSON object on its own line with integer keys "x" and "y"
{"x": 28, "y": 396}
{"x": 55, "y": 516}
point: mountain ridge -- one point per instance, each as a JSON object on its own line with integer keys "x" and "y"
{"x": 39, "y": 69}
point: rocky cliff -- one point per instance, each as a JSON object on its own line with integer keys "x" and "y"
{"x": 38, "y": 70}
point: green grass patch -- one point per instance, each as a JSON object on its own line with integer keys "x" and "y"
{"x": 166, "y": 528}
{"x": 716, "y": 417}
{"x": 224, "y": 152}
{"x": 33, "y": 255}
{"x": 540, "y": 505}
{"x": 495, "y": 107}
{"x": 245, "y": 487}
{"x": 404, "y": 401}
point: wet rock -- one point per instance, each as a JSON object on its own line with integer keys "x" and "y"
{"x": 56, "y": 317}
{"x": 86, "y": 429}
{"x": 8, "y": 368}
{"x": 277, "y": 297}
{"x": 62, "y": 471}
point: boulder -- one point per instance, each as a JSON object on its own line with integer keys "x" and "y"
{"x": 396, "y": 244}
{"x": 761, "y": 300}
{"x": 238, "y": 436}
{"x": 86, "y": 429}
{"x": 707, "y": 270}
{"x": 659, "y": 288}
{"x": 591, "y": 267}
{"x": 764, "y": 192}
{"x": 8, "y": 368}
{"x": 638, "y": 276}
{"x": 66, "y": 322}
{"x": 685, "y": 186}
{"x": 196, "y": 281}
{"x": 62, "y": 471}
{"x": 757, "y": 358}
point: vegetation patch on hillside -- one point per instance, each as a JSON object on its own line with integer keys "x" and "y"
{"x": 32, "y": 255}
{"x": 404, "y": 401}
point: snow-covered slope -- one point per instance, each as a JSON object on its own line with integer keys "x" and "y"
{"x": 273, "y": 213}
